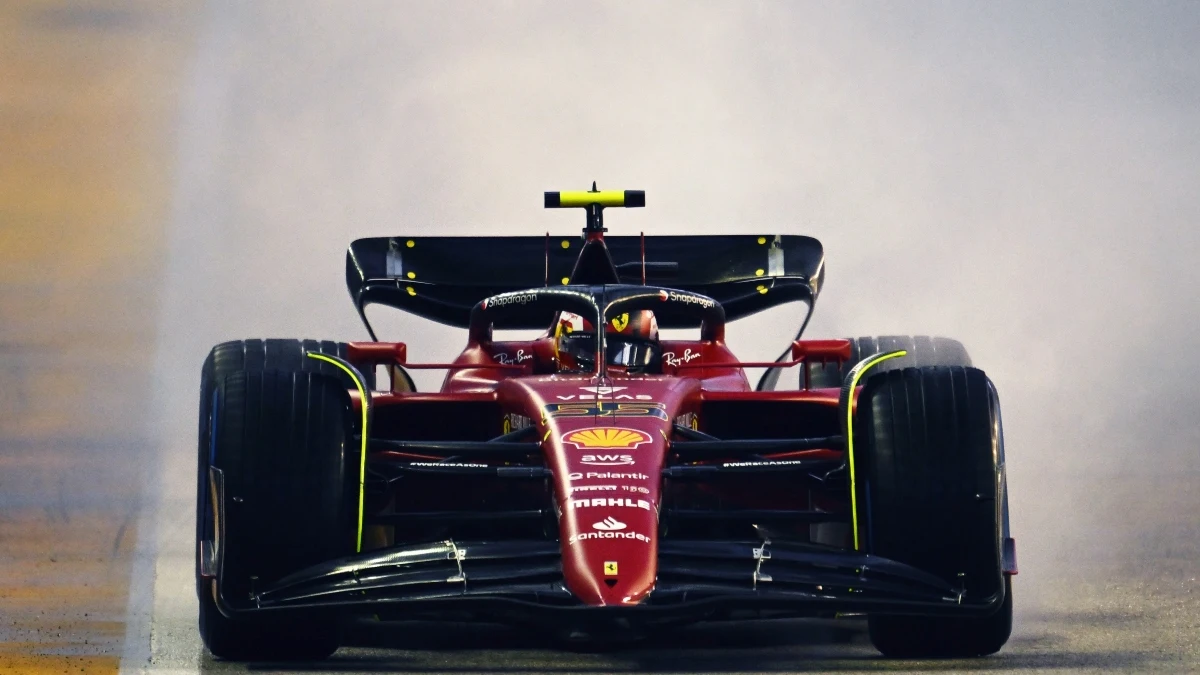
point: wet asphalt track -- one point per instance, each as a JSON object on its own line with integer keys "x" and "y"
{"x": 304, "y": 125}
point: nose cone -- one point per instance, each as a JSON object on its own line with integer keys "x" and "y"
{"x": 608, "y": 498}
{"x": 610, "y": 547}
{"x": 605, "y": 444}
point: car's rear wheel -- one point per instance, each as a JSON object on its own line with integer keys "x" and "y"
{"x": 278, "y": 437}
{"x": 922, "y": 351}
{"x": 930, "y": 492}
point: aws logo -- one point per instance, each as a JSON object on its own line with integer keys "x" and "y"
{"x": 607, "y": 460}
{"x": 606, "y": 438}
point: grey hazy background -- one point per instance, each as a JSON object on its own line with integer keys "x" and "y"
{"x": 1021, "y": 176}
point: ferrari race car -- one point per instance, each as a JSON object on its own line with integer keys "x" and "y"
{"x": 598, "y": 480}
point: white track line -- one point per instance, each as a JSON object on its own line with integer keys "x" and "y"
{"x": 161, "y": 634}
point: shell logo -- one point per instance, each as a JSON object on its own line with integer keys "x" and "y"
{"x": 609, "y": 438}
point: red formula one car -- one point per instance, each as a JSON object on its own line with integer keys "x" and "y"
{"x": 598, "y": 480}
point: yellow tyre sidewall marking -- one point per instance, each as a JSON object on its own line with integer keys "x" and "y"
{"x": 362, "y": 464}
{"x": 857, "y": 375}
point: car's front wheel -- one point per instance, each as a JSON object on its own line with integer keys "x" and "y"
{"x": 930, "y": 488}
{"x": 277, "y": 439}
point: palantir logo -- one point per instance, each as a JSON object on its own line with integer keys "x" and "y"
{"x": 609, "y": 524}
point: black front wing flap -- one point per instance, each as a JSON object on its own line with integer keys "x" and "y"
{"x": 694, "y": 577}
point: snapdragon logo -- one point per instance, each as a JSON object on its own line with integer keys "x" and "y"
{"x": 509, "y": 299}
{"x": 691, "y": 299}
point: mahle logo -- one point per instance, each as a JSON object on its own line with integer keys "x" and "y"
{"x": 605, "y": 502}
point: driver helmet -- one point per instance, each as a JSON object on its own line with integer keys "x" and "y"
{"x": 630, "y": 339}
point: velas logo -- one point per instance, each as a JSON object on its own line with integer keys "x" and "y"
{"x": 615, "y": 397}
{"x": 609, "y": 524}
{"x": 606, "y": 438}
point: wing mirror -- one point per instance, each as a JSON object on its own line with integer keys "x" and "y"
{"x": 377, "y": 352}
{"x": 821, "y": 350}
{"x": 818, "y": 351}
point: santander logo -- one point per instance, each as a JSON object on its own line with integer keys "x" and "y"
{"x": 609, "y": 528}
{"x": 609, "y": 524}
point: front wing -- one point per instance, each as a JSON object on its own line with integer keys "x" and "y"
{"x": 694, "y": 578}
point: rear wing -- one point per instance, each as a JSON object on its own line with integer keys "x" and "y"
{"x": 442, "y": 278}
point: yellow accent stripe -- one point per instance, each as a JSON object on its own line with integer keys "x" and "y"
{"x": 857, "y": 375}
{"x": 583, "y": 198}
{"x": 362, "y": 467}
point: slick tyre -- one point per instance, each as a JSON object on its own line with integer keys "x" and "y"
{"x": 250, "y": 356}
{"x": 277, "y": 440}
{"x": 922, "y": 351}
{"x": 930, "y": 494}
